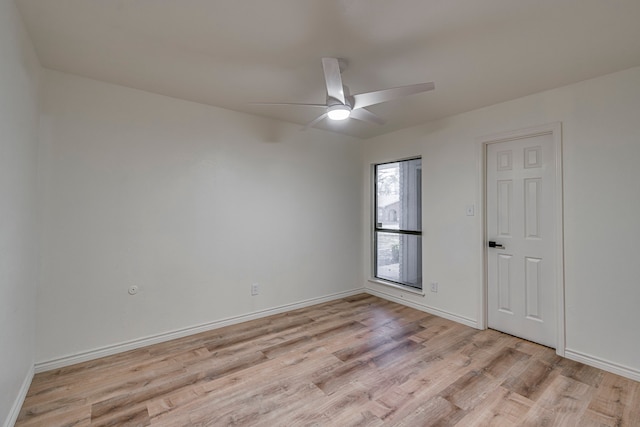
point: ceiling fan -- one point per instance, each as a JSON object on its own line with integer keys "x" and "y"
{"x": 340, "y": 105}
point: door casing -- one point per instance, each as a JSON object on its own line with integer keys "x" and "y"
{"x": 555, "y": 129}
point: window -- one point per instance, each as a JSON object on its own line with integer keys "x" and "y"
{"x": 397, "y": 230}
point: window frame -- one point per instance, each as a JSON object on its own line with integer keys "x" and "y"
{"x": 375, "y": 229}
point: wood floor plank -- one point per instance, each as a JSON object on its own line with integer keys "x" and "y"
{"x": 613, "y": 402}
{"x": 436, "y": 411}
{"x": 563, "y": 402}
{"x": 581, "y": 372}
{"x": 501, "y": 408}
{"x": 357, "y": 361}
{"x": 595, "y": 419}
{"x": 229, "y": 391}
{"x": 63, "y": 416}
{"x": 469, "y": 390}
{"x": 533, "y": 381}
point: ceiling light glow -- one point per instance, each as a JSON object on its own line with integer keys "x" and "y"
{"x": 338, "y": 112}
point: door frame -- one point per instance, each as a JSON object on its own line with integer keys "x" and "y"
{"x": 555, "y": 130}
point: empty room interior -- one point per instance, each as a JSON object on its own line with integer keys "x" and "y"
{"x": 322, "y": 212}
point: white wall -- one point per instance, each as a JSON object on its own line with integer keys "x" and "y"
{"x": 19, "y": 75}
{"x": 192, "y": 204}
{"x": 601, "y": 138}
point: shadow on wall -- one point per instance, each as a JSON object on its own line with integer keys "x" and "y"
{"x": 272, "y": 131}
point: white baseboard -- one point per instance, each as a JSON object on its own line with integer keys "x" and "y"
{"x": 605, "y": 365}
{"x": 17, "y": 404}
{"x": 431, "y": 310}
{"x": 167, "y": 336}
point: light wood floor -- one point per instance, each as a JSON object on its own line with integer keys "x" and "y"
{"x": 355, "y": 361}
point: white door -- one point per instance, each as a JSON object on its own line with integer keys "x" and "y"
{"x": 521, "y": 270}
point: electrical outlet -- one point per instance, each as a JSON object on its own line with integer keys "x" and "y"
{"x": 434, "y": 286}
{"x": 255, "y": 289}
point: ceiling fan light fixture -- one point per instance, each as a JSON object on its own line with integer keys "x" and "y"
{"x": 340, "y": 105}
{"x": 338, "y": 112}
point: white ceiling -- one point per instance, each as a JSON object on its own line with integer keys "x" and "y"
{"x": 228, "y": 53}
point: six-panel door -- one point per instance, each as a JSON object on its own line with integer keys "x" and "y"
{"x": 520, "y": 208}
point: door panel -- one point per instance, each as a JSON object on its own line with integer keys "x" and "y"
{"x": 520, "y": 216}
{"x": 504, "y": 283}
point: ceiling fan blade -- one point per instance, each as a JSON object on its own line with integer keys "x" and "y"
{"x": 315, "y": 121}
{"x": 371, "y": 98}
{"x": 333, "y": 79}
{"x": 366, "y": 116}
{"x": 288, "y": 103}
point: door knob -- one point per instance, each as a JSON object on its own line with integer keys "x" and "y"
{"x": 495, "y": 245}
